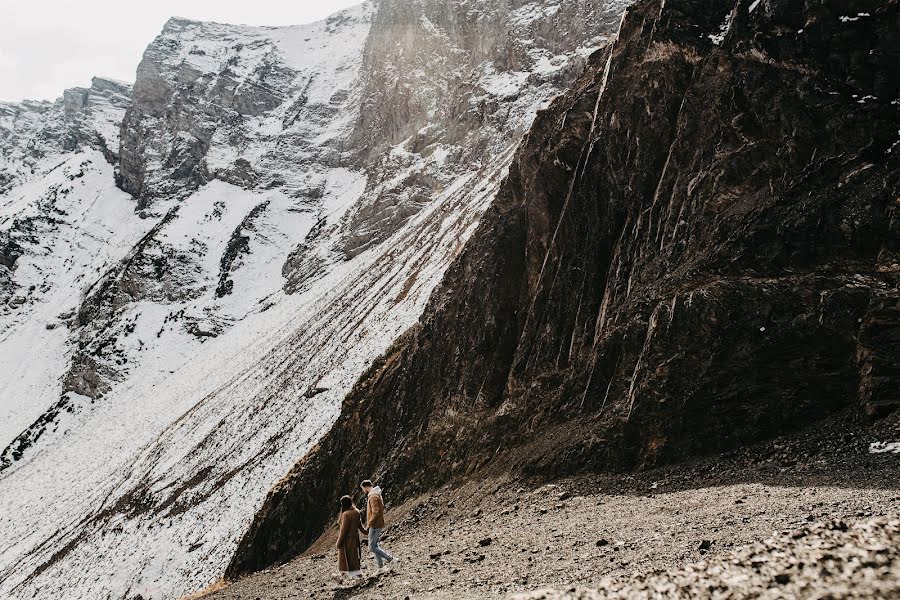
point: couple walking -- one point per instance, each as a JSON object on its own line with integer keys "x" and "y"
{"x": 350, "y": 525}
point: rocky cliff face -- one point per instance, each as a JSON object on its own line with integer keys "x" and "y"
{"x": 180, "y": 340}
{"x": 467, "y": 65}
{"x": 447, "y": 88}
{"x": 32, "y": 137}
{"x": 695, "y": 247}
{"x": 256, "y": 107}
{"x": 82, "y": 117}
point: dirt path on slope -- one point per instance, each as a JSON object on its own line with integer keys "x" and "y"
{"x": 496, "y": 537}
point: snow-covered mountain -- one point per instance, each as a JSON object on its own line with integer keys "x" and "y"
{"x": 195, "y": 271}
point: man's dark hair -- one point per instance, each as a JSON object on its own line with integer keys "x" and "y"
{"x": 366, "y": 483}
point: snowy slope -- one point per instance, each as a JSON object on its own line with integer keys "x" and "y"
{"x": 173, "y": 350}
{"x": 62, "y": 224}
{"x": 78, "y": 225}
{"x": 244, "y": 415}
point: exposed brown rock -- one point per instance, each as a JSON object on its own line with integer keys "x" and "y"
{"x": 679, "y": 262}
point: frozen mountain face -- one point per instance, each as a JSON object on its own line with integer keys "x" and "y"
{"x": 256, "y": 107}
{"x": 696, "y": 248}
{"x": 187, "y": 308}
{"x": 37, "y": 139}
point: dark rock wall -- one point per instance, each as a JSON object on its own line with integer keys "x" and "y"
{"x": 695, "y": 248}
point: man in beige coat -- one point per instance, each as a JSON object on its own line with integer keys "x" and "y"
{"x": 375, "y": 521}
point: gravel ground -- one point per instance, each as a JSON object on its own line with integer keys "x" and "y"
{"x": 825, "y": 560}
{"x": 630, "y": 535}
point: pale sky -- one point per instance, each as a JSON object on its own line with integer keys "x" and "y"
{"x": 47, "y": 46}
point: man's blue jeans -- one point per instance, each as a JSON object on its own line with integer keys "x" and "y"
{"x": 380, "y": 555}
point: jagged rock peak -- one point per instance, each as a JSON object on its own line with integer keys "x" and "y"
{"x": 35, "y": 131}
{"x": 208, "y": 96}
{"x": 113, "y": 90}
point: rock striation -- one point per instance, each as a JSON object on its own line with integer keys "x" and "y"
{"x": 695, "y": 248}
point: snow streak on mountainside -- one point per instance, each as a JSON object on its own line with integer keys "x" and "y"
{"x": 287, "y": 200}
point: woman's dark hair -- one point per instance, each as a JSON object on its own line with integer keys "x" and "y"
{"x": 346, "y": 503}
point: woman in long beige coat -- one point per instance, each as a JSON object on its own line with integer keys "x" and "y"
{"x": 349, "y": 527}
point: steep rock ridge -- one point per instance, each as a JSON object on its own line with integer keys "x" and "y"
{"x": 253, "y": 106}
{"x": 453, "y": 84}
{"x": 695, "y": 248}
{"x": 82, "y": 117}
{"x": 215, "y": 348}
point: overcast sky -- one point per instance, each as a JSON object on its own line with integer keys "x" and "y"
{"x": 49, "y": 45}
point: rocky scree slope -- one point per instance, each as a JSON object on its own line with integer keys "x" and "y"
{"x": 179, "y": 341}
{"x": 696, "y": 247}
{"x": 597, "y": 530}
